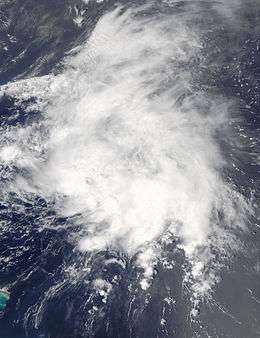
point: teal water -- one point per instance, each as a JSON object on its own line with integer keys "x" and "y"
{"x": 4, "y": 298}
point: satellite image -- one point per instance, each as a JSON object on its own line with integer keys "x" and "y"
{"x": 129, "y": 169}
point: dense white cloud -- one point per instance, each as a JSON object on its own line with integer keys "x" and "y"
{"x": 126, "y": 145}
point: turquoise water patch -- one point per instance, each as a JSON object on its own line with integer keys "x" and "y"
{"x": 4, "y": 298}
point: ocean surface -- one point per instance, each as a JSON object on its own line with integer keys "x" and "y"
{"x": 129, "y": 168}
